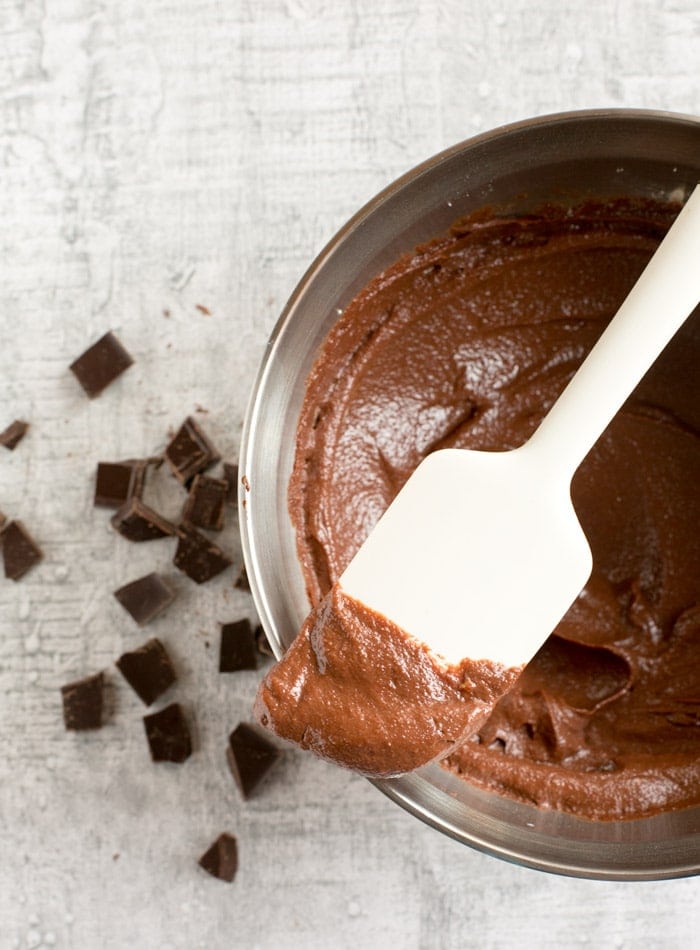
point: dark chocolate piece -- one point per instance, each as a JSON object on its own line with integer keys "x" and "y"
{"x": 82, "y": 703}
{"x": 190, "y": 452}
{"x": 262, "y": 643}
{"x": 238, "y": 649}
{"x": 221, "y": 859}
{"x": 137, "y": 522}
{"x": 197, "y": 556}
{"x": 13, "y": 434}
{"x": 250, "y": 756}
{"x": 148, "y": 670}
{"x": 101, "y": 364}
{"x": 117, "y": 482}
{"x": 231, "y": 479}
{"x": 205, "y": 503}
{"x": 146, "y": 597}
{"x": 19, "y": 551}
{"x": 168, "y": 734}
{"x": 242, "y": 582}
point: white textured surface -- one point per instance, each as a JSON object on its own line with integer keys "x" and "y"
{"x": 162, "y": 154}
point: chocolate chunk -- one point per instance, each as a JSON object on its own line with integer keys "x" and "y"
{"x": 231, "y": 479}
{"x": 262, "y": 643}
{"x": 205, "y": 503}
{"x": 238, "y": 650}
{"x": 197, "y": 556}
{"x": 146, "y": 597}
{"x": 250, "y": 756}
{"x": 82, "y": 703}
{"x": 13, "y": 434}
{"x": 221, "y": 859}
{"x": 101, "y": 364}
{"x": 242, "y": 582}
{"x": 137, "y": 522}
{"x": 148, "y": 670}
{"x": 190, "y": 452}
{"x": 19, "y": 551}
{"x": 117, "y": 482}
{"x": 168, "y": 735}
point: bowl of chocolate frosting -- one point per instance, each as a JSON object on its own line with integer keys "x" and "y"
{"x": 451, "y": 311}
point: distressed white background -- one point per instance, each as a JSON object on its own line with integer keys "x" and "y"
{"x": 153, "y": 156}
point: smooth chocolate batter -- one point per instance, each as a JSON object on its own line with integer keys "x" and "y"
{"x": 467, "y": 342}
{"x": 356, "y": 689}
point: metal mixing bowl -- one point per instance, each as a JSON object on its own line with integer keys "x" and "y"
{"x": 561, "y": 158}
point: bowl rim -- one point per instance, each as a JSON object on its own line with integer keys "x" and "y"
{"x": 395, "y": 789}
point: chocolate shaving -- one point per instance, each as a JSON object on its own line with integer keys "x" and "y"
{"x": 250, "y": 757}
{"x": 190, "y": 451}
{"x": 83, "y": 702}
{"x": 168, "y": 734}
{"x": 221, "y": 858}
{"x": 237, "y": 649}
{"x": 137, "y": 522}
{"x": 198, "y": 557}
{"x": 146, "y": 597}
{"x": 148, "y": 670}
{"x": 13, "y": 434}
{"x": 205, "y": 503}
{"x": 19, "y": 551}
{"x": 101, "y": 364}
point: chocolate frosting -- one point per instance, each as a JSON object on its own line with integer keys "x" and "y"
{"x": 467, "y": 342}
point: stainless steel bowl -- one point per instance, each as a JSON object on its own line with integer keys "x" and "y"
{"x": 559, "y": 158}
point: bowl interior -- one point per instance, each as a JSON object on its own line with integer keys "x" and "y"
{"x": 562, "y": 159}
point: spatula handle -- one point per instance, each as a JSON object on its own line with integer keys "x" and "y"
{"x": 659, "y": 303}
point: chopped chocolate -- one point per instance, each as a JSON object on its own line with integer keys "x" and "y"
{"x": 82, "y": 703}
{"x": 117, "y": 482}
{"x": 205, "y": 503}
{"x": 231, "y": 479}
{"x": 137, "y": 522}
{"x": 190, "y": 451}
{"x": 147, "y": 670}
{"x": 168, "y": 735}
{"x": 242, "y": 582}
{"x": 221, "y": 859}
{"x": 101, "y": 364}
{"x": 202, "y": 309}
{"x": 238, "y": 649}
{"x": 146, "y": 597}
{"x": 261, "y": 642}
{"x": 250, "y": 756}
{"x": 13, "y": 434}
{"x": 19, "y": 551}
{"x": 198, "y": 557}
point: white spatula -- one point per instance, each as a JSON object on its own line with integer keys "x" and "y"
{"x": 481, "y": 553}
